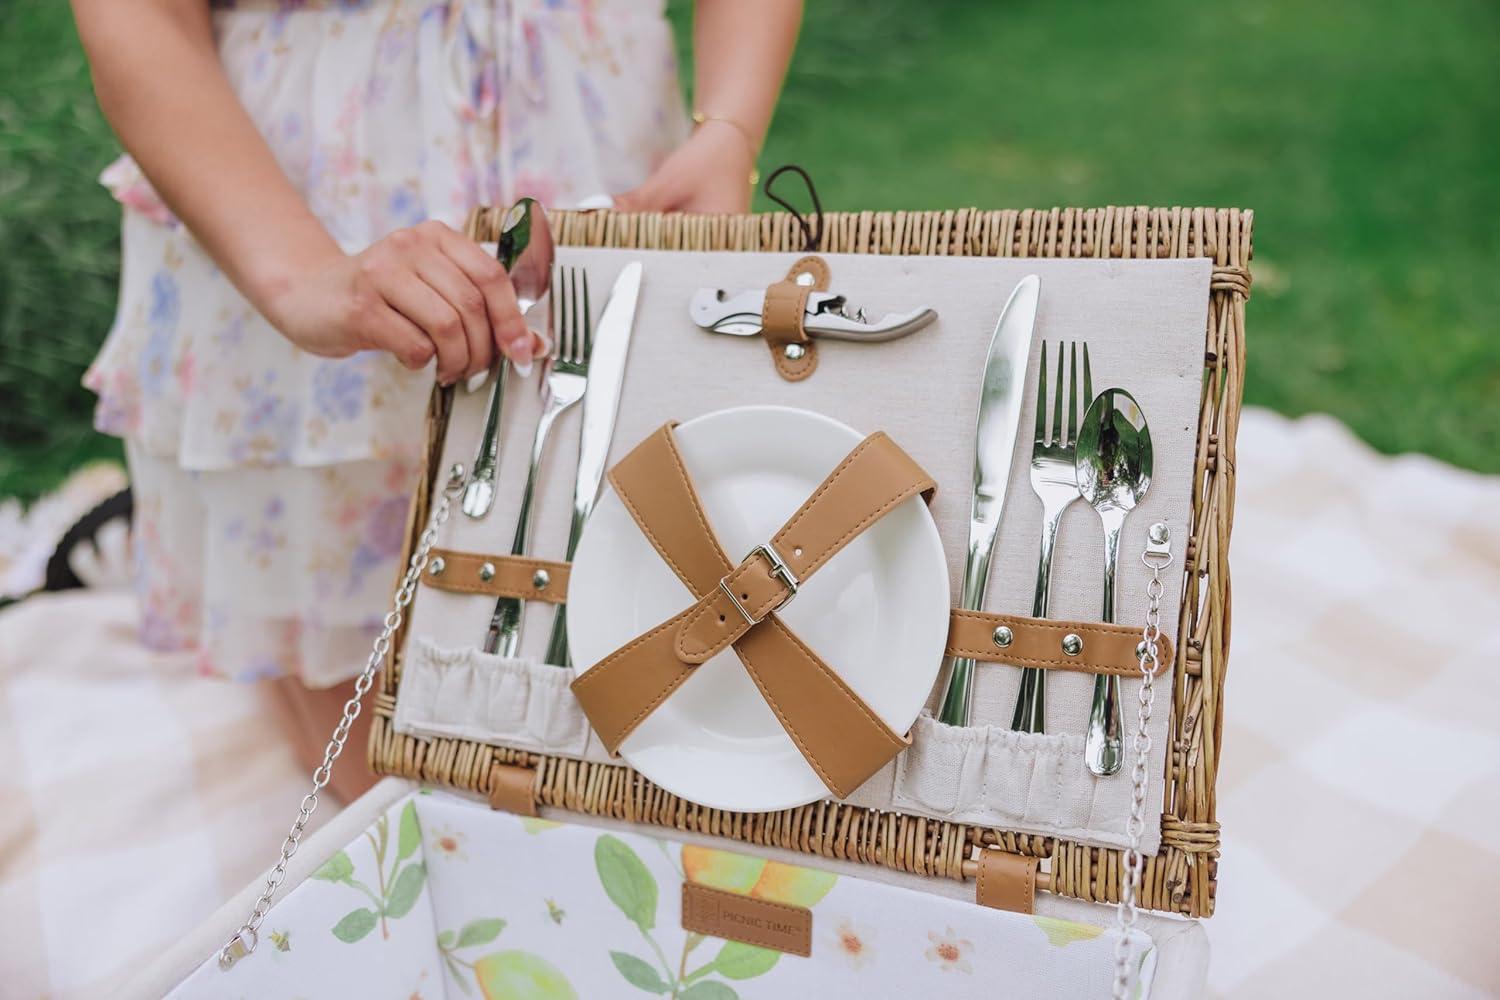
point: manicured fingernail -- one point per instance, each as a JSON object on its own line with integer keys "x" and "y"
{"x": 519, "y": 352}
{"x": 541, "y": 345}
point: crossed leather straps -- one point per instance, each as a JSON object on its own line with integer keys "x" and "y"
{"x": 838, "y": 734}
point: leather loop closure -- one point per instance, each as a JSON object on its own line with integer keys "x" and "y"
{"x": 1006, "y": 881}
{"x": 513, "y": 789}
{"x": 1044, "y": 642}
{"x": 841, "y": 738}
{"x": 792, "y": 350}
{"x": 497, "y": 576}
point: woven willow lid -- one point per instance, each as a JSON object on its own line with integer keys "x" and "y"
{"x": 1181, "y": 877}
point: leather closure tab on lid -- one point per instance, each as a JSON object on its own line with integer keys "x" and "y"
{"x": 511, "y": 789}
{"x": 1006, "y": 881}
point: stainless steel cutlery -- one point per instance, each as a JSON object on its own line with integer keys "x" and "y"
{"x": 1114, "y": 472}
{"x": 1094, "y": 449}
{"x": 564, "y": 379}
{"x": 1055, "y": 482}
{"x": 601, "y": 403}
{"x": 994, "y": 445}
{"x": 524, "y": 249}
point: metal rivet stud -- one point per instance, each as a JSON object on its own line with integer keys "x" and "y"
{"x": 794, "y": 352}
{"x": 1158, "y": 533}
{"x": 1072, "y": 644}
{"x": 540, "y": 579}
{"x": 1003, "y": 636}
{"x": 456, "y": 476}
{"x": 806, "y": 279}
{"x": 487, "y": 572}
{"x": 437, "y": 566}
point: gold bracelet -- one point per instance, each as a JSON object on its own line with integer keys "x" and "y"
{"x": 702, "y": 118}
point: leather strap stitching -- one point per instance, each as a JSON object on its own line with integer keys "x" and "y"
{"x": 843, "y": 691}
{"x": 817, "y": 562}
{"x": 598, "y": 671}
{"x": 692, "y": 495}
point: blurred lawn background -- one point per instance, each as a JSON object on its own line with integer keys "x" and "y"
{"x": 1364, "y": 135}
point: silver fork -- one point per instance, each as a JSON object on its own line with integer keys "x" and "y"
{"x": 1054, "y": 479}
{"x": 564, "y": 379}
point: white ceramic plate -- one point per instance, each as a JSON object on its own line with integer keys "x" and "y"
{"x": 877, "y": 612}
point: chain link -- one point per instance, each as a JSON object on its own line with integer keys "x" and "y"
{"x": 248, "y": 935}
{"x": 1157, "y": 557}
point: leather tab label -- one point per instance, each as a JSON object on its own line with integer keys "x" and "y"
{"x": 716, "y": 913}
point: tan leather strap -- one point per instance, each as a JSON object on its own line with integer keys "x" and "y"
{"x": 512, "y": 789}
{"x": 1006, "y": 881}
{"x": 1034, "y": 642}
{"x": 1039, "y": 642}
{"x": 836, "y": 732}
{"x": 497, "y": 576}
{"x": 782, "y": 315}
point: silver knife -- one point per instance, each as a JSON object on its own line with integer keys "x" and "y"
{"x": 994, "y": 446}
{"x": 601, "y": 404}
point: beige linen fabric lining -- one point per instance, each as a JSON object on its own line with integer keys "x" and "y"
{"x": 1143, "y": 320}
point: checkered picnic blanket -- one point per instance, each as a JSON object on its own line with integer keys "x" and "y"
{"x": 1359, "y": 791}
{"x": 135, "y": 795}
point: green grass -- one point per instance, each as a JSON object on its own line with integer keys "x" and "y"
{"x": 1363, "y": 135}
{"x": 59, "y": 252}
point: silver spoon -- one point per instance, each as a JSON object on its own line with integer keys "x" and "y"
{"x": 1114, "y": 470}
{"x": 524, "y": 249}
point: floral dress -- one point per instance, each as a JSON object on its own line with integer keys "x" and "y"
{"x": 271, "y": 485}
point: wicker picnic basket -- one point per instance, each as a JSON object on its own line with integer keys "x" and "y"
{"x": 1180, "y": 878}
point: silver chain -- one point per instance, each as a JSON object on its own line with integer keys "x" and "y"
{"x": 1157, "y": 557}
{"x": 248, "y": 935}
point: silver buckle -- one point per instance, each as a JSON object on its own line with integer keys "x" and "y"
{"x": 779, "y": 569}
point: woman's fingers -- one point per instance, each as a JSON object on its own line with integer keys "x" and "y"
{"x": 385, "y": 329}
{"x": 449, "y": 292}
{"x": 461, "y": 294}
{"x": 652, "y": 196}
{"x": 413, "y": 298}
{"x": 507, "y": 325}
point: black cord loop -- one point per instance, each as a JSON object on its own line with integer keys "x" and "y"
{"x": 811, "y": 240}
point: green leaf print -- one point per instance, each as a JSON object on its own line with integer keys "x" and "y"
{"x": 479, "y": 932}
{"x": 410, "y": 836}
{"x": 520, "y": 975}
{"x": 1062, "y": 933}
{"x": 627, "y": 881}
{"x": 336, "y": 869}
{"x": 456, "y": 971}
{"x": 744, "y": 961}
{"x": 405, "y": 890}
{"x": 709, "y": 989}
{"x": 355, "y": 925}
{"x": 392, "y": 895}
{"x": 638, "y": 973}
{"x": 533, "y": 825}
{"x": 471, "y": 935}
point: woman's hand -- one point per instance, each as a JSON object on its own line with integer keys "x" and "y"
{"x": 708, "y": 173}
{"x": 419, "y": 293}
